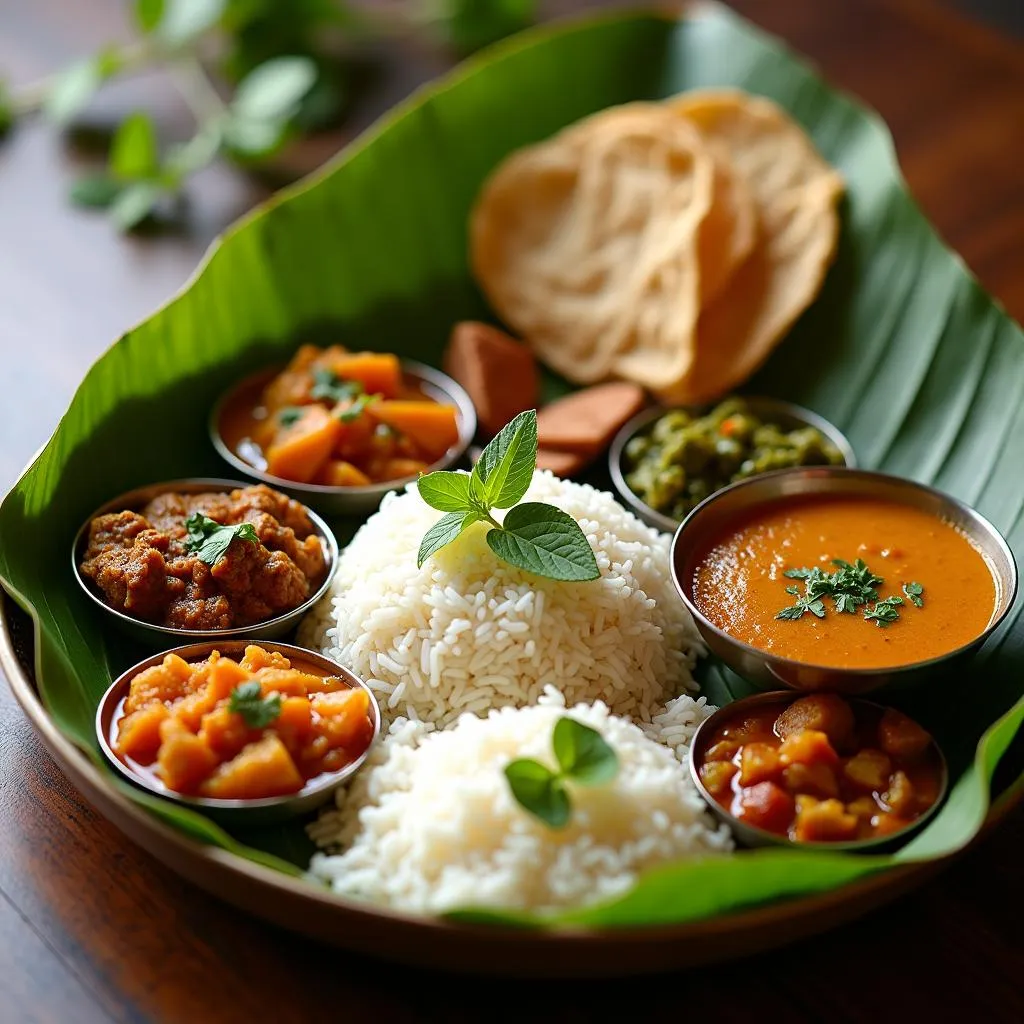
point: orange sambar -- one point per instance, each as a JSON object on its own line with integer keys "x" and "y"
{"x": 738, "y": 584}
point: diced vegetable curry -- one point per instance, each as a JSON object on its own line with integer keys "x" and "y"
{"x": 817, "y": 773}
{"x": 339, "y": 419}
{"x": 240, "y": 730}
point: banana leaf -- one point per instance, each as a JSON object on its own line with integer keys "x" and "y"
{"x": 903, "y": 350}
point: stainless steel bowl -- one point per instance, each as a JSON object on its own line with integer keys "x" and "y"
{"x": 149, "y": 632}
{"x": 771, "y": 410}
{"x": 749, "y": 835}
{"x": 237, "y": 813}
{"x": 771, "y": 671}
{"x": 353, "y": 500}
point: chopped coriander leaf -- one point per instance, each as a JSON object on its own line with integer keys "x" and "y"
{"x": 209, "y": 540}
{"x": 884, "y": 612}
{"x": 329, "y": 387}
{"x": 256, "y": 710}
{"x": 804, "y": 605}
{"x": 851, "y": 586}
{"x": 356, "y": 409}
{"x": 289, "y": 415}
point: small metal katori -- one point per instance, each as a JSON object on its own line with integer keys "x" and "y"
{"x": 234, "y": 813}
{"x": 150, "y": 632}
{"x": 751, "y": 836}
{"x": 771, "y": 671}
{"x": 337, "y": 501}
{"x": 786, "y": 415}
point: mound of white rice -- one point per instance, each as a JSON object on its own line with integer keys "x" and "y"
{"x": 430, "y": 824}
{"x": 468, "y": 632}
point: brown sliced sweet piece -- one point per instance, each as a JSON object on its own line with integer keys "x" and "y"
{"x": 498, "y": 373}
{"x": 563, "y": 464}
{"x": 586, "y": 421}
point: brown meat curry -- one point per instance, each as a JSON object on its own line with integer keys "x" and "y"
{"x": 143, "y": 564}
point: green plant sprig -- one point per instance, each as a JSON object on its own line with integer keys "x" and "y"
{"x": 534, "y": 536}
{"x": 284, "y": 63}
{"x": 209, "y": 540}
{"x": 256, "y": 710}
{"x": 852, "y": 586}
{"x": 583, "y": 756}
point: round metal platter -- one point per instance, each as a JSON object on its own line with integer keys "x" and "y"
{"x": 435, "y": 942}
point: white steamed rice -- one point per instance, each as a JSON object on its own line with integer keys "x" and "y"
{"x": 468, "y": 632}
{"x": 430, "y": 823}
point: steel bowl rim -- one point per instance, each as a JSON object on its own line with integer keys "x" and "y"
{"x": 324, "y": 532}
{"x": 331, "y": 780}
{"x": 411, "y": 367}
{"x": 771, "y": 659}
{"x": 779, "y": 406}
{"x": 771, "y": 838}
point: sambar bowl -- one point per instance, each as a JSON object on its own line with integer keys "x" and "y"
{"x": 346, "y": 501}
{"x": 772, "y": 410}
{"x": 151, "y": 632}
{"x": 771, "y": 671}
{"x": 233, "y": 813}
{"x": 754, "y": 837}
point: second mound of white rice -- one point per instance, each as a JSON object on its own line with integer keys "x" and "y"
{"x": 468, "y": 632}
{"x": 430, "y": 823}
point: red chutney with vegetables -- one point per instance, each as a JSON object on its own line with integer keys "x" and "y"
{"x": 263, "y": 726}
{"x": 845, "y": 582}
{"x": 819, "y": 772}
{"x": 338, "y": 419}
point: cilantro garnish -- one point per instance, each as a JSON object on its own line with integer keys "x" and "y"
{"x": 248, "y": 701}
{"x": 329, "y": 387}
{"x": 289, "y": 415}
{"x": 884, "y": 612}
{"x": 851, "y": 587}
{"x": 209, "y": 540}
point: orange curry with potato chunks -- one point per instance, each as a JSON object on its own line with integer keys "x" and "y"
{"x": 819, "y": 773}
{"x": 260, "y": 727}
{"x": 339, "y": 419}
{"x": 743, "y": 582}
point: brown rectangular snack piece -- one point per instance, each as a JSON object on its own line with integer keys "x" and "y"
{"x": 563, "y": 464}
{"x": 586, "y": 421}
{"x": 499, "y": 373}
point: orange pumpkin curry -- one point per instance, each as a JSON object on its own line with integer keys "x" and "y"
{"x": 340, "y": 419}
{"x": 857, "y": 583}
{"x": 240, "y": 730}
{"x": 819, "y": 773}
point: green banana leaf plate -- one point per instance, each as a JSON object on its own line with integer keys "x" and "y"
{"x": 902, "y": 350}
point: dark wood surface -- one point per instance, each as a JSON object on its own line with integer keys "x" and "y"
{"x": 91, "y": 929}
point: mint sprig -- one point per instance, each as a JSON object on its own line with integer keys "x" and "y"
{"x": 583, "y": 756}
{"x": 535, "y": 536}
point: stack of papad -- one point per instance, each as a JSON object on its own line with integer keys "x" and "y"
{"x": 668, "y": 244}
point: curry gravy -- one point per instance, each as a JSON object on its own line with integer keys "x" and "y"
{"x": 738, "y": 584}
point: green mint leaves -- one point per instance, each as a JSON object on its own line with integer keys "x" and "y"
{"x": 505, "y": 468}
{"x": 248, "y": 701}
{"x": 850, "y": 587}
{"x": 546, "y": 541}
{"x": 536, "y": 537}
{"x": 210, "y": 541}
{"x": 583, "y": 756}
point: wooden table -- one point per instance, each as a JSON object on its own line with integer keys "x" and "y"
{"x": 91, "y": 929}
